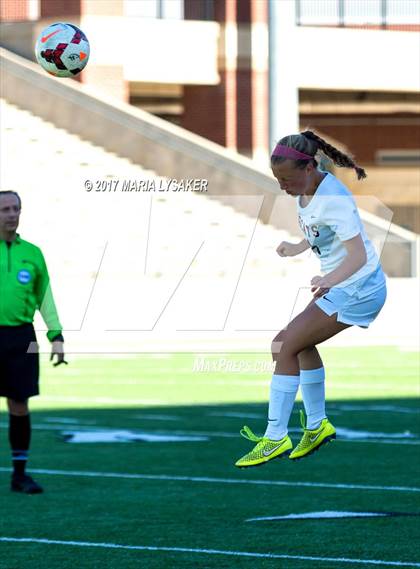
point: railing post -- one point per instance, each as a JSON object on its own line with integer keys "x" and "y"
{"x": 298, "y": 12}
{"x": 415, "y": 258}
{"x": 384, "y": 13}
{"x": 341, "y": 13}
{"x": 283, "y": 87}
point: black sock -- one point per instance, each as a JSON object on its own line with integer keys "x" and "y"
{"x": 19, "y": 437}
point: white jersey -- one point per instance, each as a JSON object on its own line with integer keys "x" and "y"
{"x": 330, "y": 218}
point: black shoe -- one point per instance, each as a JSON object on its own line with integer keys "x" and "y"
{"x": 25, "y": 484}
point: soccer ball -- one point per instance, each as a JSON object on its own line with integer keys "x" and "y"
{"x": 62, "y": 50}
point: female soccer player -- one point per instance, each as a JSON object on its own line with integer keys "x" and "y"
{"x": 351, "y": 292}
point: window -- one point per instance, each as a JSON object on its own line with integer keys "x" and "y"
{"x": 357, "y": 12}
{"x": 167, "y": 9}
{"x": 398, "y": 157}
{"x": 360, "y": 12}
{"x": 320, "y": 12}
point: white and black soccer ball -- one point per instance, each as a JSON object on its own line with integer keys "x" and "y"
{"x": 62, "y": 50}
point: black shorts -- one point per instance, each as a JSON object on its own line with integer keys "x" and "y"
{"x": 19, "y": 370}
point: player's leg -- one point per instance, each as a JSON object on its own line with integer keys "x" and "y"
{"x": 284, "y": 388}
{"x": 22, "y": 374}
{"x": 312, "y": 386}
{"x": 19, "y": 434}
{"x": 275, "y": 443}
{"x": 309, "y": 358}
{"x": 310, "y": 327}
{"x": 20, "y": 438}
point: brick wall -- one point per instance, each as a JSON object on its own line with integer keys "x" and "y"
{"x": 235, "y": 112}
{"x": 205, "y": 110}
{"x": 56, "y": 8}
{"x": 407, "y": 216}
{"x": 13, "y": 10}
{"x": 244, "y": 111}
{"x": 210, "y": 110}
{"x": 364, "y": 134}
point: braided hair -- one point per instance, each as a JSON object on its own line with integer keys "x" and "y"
{"x": 310, "y": 143}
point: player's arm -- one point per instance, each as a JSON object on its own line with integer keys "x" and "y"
{"x": 352, "y": 262}
{"x": 286, "y": 249}
{"x": 46, "y": 306}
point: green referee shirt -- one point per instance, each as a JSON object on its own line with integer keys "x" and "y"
{"x": 25, "y": 287}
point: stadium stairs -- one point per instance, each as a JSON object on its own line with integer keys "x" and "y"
{"x": 57, "y": 134}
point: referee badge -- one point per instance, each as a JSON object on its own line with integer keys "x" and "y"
{"x": 24, "y": 276}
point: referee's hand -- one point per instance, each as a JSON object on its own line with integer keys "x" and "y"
{"x": 58, "y": 350}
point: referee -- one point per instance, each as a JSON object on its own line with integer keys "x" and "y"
{"x": 24, "y": 287}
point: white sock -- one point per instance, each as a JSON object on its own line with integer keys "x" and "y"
{"x": 283, "y": 391}
{"x": 312, "y": 386}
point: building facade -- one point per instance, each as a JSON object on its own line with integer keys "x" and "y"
{"x": 243, "y": 73}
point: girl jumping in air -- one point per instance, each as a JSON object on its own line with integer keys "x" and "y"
{"x": 351, "y": 292}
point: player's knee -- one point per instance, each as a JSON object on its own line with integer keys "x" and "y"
{"x": 19, "y": 408}
{"x": 309, "y": 357}
{"x": 277, "y": 343}
{"x": 289, "y": 345}
{"x": 305, "y": 353}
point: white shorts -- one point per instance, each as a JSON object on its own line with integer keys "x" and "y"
{"x": 360, "y": 307}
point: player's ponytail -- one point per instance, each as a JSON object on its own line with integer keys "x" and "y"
{"x": 307, "y": 144}
{"x": 340, "y": 159}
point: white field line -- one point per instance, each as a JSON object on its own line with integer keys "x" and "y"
{"x": 236, "y": 415}
{"x": 68, "y": 421}
{"x": 375, "y": 408}
{"x": 222, "y": 434}
{"x": 326, "y": 515}
{"x": 208, "y": 480}
{"x": 211, "y": 434}
{"x": 156, "y": 417}
{"x": 102, "y": 400}
{"x": 209, "y": 552}
{"x": 245, "y": 382}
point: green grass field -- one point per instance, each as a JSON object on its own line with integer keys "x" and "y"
{"x": 184, "y": 505}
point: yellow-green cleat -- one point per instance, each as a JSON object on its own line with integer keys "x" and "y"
{"x": 264, "y": 450}
{"x": 313, "y": 440}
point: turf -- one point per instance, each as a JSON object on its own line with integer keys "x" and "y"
{"x": 372, "y": 389}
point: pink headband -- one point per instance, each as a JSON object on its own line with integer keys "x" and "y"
{"x": 291, "y": 153}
